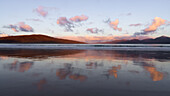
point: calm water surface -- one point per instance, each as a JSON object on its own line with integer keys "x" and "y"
{"x": 27, "y": 72}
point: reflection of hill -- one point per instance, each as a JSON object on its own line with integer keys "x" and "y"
{"x": 85, "y": 54}
{"x": 141, "y": 54}
{"x": 35, "y": 54}
{"x": 121, "y": 55}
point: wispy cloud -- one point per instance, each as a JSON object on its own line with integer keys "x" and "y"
{"x": 138, "y": 24}
{"x": 25, "y": 27}
{"x": 44, "y": 11}
{"x": 125, "y": 14}
{"x": 95, "y": 30}
{"x": 71, "y": 23}
{"x": 33, "y": 19}
{"x": 14, "y": 29}
{"x": 128, "y": 14}
{"x": 157, "y": 22}
{"x": 63, "y": 21}
{"x": 113, "y": 24}
{"x": 21, "y": 26}
{"x": 79, "y": 18}
{"x": 11, "y": 26}
{"x": 41, "y": 11}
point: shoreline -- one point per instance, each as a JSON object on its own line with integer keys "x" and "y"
{"x": 125, "y": 47}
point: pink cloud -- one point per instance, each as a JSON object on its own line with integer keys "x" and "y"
{"x": 94, "y": 30}
{"x": 138, "y": 24}
{"x": 114, "y": 25}
{"x": 32, "y": 19}
{"x": 25, "y": 27}
{"x": 21, "y": 26}
{"x": 14, "y": 29}
{"x": 4, "y": 35}
{"x": 79, "y": 18}
{"x": 40, "y": 10}
{"x": 157, "y": 22}
{"x": 70, "y": 23}
{"x": 62, "y": 21}
{"x": 11, "y": 26}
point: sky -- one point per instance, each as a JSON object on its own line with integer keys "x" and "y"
{"x": 86, "y": 20}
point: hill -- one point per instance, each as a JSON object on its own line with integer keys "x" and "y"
{"x": 37, "y": 39}
{"x": 158, "y": 40}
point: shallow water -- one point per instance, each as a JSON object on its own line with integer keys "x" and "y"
{"x": 141, "y": 47}
{"x": 49, "y": 72}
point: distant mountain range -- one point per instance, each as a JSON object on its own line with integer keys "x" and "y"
{"x": 51, "y": 40}
{"x": 158, "y": 40}
{"x": 37, "y": 39}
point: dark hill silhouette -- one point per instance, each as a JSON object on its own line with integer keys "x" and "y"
{"x": 158, "y": 40}
{"x": 36, "y": 39}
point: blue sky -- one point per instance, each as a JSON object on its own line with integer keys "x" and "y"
{"x": 126, "y": 11}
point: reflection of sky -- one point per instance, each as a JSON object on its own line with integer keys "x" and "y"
{"x": 143, "y": 11}
{"x": 112, "y": 70}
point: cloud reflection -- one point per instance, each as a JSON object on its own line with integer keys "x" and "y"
{"x": 155, "y": 75}
{"x": 114, "y": 70}
{"x": 41, "y": 83}
{"x": 69, "y": 71}
{"x": 19, "y": 66}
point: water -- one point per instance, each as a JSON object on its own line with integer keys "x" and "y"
{"x": 80, "y": 72}
{"x": 156, "y": 47}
